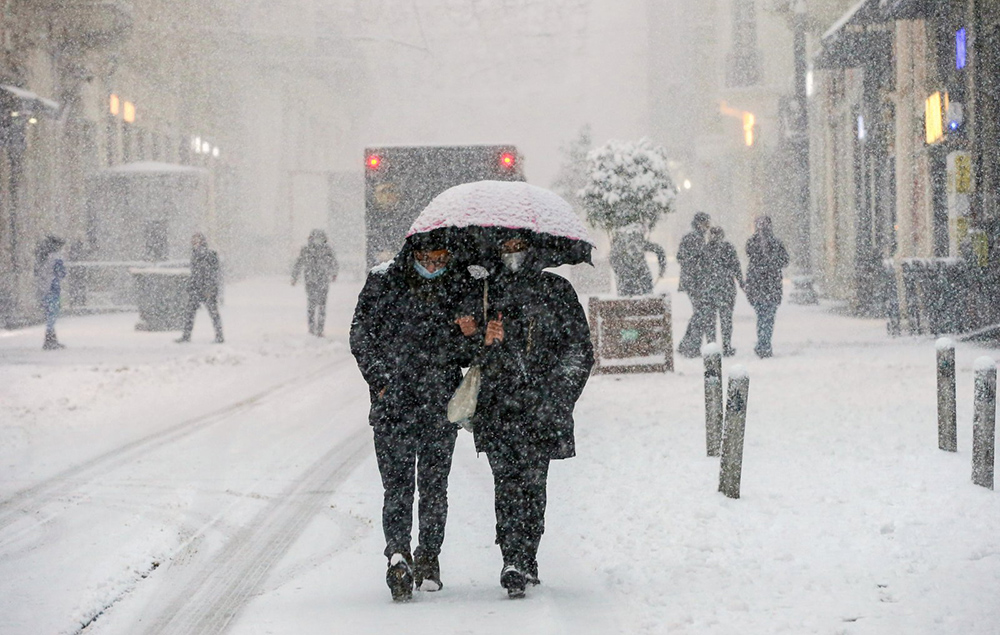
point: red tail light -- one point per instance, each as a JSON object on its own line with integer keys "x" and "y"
{"x": 508, "y": 160}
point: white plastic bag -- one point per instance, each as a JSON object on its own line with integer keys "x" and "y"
{"x": 462, "y": 404}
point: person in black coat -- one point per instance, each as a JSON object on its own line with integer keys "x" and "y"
{"x": 536, "y": 358}
{"x": 203, "y": 287}
{"x": 766, "y": 258}
{"x": 723, "y": 273}
{"x": 411, "y": 352}
{"x": 320, "y": 265}
{"x": 692, "y": 260}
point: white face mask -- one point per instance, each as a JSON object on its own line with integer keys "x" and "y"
{"x": 514, "y": 261}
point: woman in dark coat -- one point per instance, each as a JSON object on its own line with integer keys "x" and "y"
{"x": 536, "y": 359}
{"x": 411, "y": 353}
{"x": 723, "y": 272}
{"x": 766, "y": 258}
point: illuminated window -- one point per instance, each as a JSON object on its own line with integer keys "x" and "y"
{"x": 748, "y": 123}
{"x": 128, "y": 113}
{"x": 114, "y": 104}
{"x": 933, "y": 119}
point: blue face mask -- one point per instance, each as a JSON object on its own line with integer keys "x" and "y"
{"x": 427, "y": 275}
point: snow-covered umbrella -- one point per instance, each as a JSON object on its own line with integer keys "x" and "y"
{"x": 480, "y": 209}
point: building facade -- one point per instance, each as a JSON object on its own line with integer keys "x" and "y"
{"x": 259, "y": 108}
{"x": 904, "y": 145}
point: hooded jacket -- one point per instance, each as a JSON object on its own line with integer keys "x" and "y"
{"x": 318, "y": 262}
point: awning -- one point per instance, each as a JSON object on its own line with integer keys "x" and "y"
{"x": 31, "y": 101}
{"x": 847, "y": 43}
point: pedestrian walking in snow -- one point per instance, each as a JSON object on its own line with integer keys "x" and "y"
{"x": 766, "y": 258}
{"x": 203, "y": 287}
{"x": 536, "y": 359}
{"x": 411, "y": 352}
{"x": 319, "y": 264}
{"x": 628, "y": 260}
{"x": 692, "y": 260}
{"x": 50, "y": 269}
{"x": 723, "y": 273}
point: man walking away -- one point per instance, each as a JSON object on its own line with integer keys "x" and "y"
{"x": 49, "y": 272}
{"x": 691, "y": 258}
{"x": 724, "y": 273}
{"x": 203, "y": 287}
{"x": 320, "y": 265}
{"x": 766, "y": 258}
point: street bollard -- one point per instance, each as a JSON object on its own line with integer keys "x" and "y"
{"x": 713, "y": 398}
{"x": 947, "y": 431}
{"x": 984, "y": 422}
{"x": 731, "y": 468}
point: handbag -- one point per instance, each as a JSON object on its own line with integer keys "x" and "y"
{"x": 462, "y": 405}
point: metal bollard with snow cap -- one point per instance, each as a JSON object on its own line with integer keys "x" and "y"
{"x": 731, "y": 468}
{"x": 712, "y": 353}
{"x": 947, "y": 432}
{"x": 984, "y": 422}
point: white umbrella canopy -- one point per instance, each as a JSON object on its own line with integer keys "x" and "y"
{"x": 549, "y": 220}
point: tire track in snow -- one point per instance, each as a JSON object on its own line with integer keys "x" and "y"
{"x": 217, "y": 592}
{"x": 31, "y": 500}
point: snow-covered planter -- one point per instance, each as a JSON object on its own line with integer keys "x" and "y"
{"x": 629, "y": 183}
{"x": 627, "y": 191}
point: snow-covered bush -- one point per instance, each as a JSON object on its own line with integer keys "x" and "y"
{"x": 628, "y": 183}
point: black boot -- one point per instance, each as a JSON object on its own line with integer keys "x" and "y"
{"x": 51, "y": 343}
{"x": 399, "y": 577}
{"x": 512, "y": 579}
{"x": 426, "y": 569}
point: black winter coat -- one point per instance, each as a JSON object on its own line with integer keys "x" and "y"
{"x": 766, "y": 258}
{"x": 319, "y": 264}
{"x": 206, "y": 274}
{"x": 722, "y": 271}
{"x": 405, "y": 340}
{"x": 532, "y": 379}
{"x": 691, "y": 258}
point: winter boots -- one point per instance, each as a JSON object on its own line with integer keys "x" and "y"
{"x": 512, "y": 579}
{"x": 426, "y": 573}
{"x": 399, "y": 577}
{"x": 51, "y": 343}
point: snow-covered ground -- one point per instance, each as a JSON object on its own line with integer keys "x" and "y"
{"x": 151, "y": 487}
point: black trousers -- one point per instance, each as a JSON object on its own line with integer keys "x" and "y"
{"x": 724, "y": 308}
{"x": 408, "y": 456}
{"x": 520, "y": 474}
{"x": 701, "y": 324}
{"x": 212, "y": 304}
{"x": 316, "y": 307}
{"x": 765, "y": 328}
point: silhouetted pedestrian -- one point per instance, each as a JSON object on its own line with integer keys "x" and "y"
{"x": 50, "y": 269}
{"x": 691, "y": 258}
{"x": 723, "y": 274}
{"x": 319, "y": 263}
{"x": 203, "y": 287}
{"x": 766, "y": 258}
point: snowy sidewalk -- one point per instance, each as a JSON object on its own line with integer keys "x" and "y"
{"x": 851, "y": 520}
